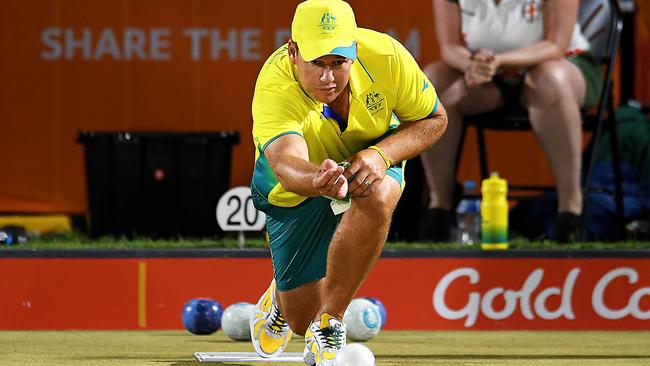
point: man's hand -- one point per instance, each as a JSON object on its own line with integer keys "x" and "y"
{"x": 366, "y": 171}
{"x": 329, "y": 181}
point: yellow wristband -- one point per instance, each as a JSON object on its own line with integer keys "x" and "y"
{"x": 383, "y": 155}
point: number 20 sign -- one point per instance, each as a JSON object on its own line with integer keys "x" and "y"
{"x": 236, "y": 212}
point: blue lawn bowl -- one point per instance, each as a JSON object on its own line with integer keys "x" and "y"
{"x": 202, "y": 316}
{"x": 382, "y": 309}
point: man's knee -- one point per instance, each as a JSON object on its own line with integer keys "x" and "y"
{"x": 383, "y": 200}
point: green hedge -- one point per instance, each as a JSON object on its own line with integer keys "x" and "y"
{"x": 79, "y": 241}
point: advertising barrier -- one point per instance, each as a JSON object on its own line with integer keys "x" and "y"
{"x": 591, "y": 292}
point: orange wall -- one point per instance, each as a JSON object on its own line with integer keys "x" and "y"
{"x": 101, "y": 65}
{"x": 157, "y": 83}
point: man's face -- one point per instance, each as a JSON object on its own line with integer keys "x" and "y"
{"x": 323, "y": 78}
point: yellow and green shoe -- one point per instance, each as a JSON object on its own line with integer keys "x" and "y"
{"x": 323, "y": 339}
{"x": 270, "y": 332}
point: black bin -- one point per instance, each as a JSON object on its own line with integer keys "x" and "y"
{"x": 156, "y": 184}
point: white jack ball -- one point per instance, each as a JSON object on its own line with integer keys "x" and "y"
{"x": 355, "y": 354}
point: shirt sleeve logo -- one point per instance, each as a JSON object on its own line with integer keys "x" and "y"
{"x": 374, "y": 102}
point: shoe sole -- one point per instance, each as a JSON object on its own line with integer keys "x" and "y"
{"x": 307, "y": 355}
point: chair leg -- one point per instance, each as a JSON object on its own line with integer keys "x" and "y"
{"x": 618, "y": 179}
{"x": 459, "y": 150}
{"x": 610, "y": 123}
{"x": 482, "y": 151}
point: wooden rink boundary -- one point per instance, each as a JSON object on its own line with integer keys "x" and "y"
{"x": 421, "y": 289}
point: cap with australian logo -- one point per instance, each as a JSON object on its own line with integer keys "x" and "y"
{"x": 325, "y": 27}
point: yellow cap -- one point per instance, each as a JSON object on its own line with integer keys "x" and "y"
{"x": 494, "y": 184}
{"x": 325, "y": 27}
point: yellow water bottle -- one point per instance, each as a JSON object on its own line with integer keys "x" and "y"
{"x": 494, "y": 213}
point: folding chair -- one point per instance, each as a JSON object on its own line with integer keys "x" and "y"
{"x": 601, "y": 22}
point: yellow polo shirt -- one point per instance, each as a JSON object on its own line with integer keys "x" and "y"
{"x": 386, "y": 84}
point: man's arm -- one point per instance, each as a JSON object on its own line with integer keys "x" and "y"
{"x": 289, "y": 159}
{"x": 409, "y": 140}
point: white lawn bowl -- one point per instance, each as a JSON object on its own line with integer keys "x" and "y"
{"x": 363, "y": 320}
{"x": 235, "y": 319}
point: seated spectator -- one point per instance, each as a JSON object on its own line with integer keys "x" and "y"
{"x": 497, "y": 53}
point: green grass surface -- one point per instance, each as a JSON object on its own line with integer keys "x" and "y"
{"x": 390, "y": 347}
{"x": 79, "y": 241}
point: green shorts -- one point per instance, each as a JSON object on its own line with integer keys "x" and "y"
{"x": 299, "y": 237}
{"x": 511, "y": 86}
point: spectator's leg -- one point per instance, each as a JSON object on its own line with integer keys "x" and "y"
{"x": 553, "y": 92}
{"x": 438, "y": 161}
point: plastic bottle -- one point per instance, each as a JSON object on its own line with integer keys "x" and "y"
{"x": 6, "y": 238}
{"x": 468, "y": 215}
{"x": 494, "y": 209}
